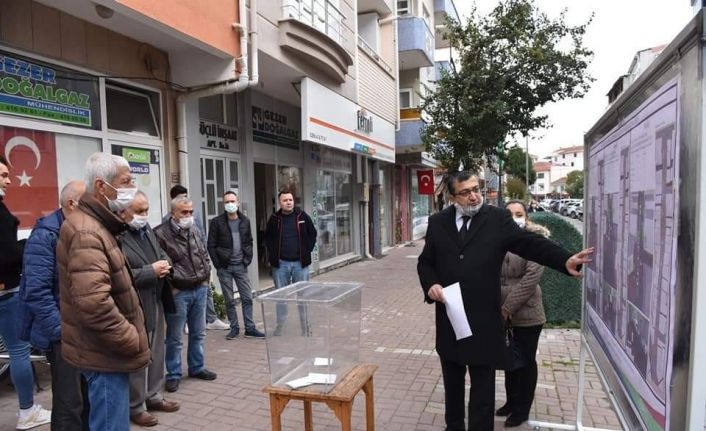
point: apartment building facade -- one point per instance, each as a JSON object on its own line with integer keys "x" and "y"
{"x": 254, "y": 97}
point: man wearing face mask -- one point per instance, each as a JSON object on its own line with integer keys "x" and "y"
{"x": 40, "y": 319}
{"x": 192, "y": 270}
{"x": 230, "y": 247}
{"x": 149, "y": 265}
{"x": 102, "y": 325}
{"x": 466, "y": 243}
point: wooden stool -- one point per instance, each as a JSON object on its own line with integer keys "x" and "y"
{"x": 339, "y": 399}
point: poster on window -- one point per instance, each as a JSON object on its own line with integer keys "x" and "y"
{"x": 42, "y": 91}
{"x": 33, "y": 192}
{"x": 632, "y": 216}
{"x": 145, "y": 168}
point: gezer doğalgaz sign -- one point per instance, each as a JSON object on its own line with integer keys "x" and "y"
{"x": 29, "y": 88}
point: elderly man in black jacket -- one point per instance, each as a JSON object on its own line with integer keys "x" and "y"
{"x": 466, "y": 244}
{"x": 230, "y": 248}
{"x": 149, "y": 265}
{"x": 189, "y": 280}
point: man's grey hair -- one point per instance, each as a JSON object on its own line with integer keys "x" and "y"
{"x": 72, "y": 191}
{"x": 104, "y": 166}
{"x": 143, "y": 194}
{"x": 179, "y": 200}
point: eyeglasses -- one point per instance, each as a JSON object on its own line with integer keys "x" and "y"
{"x": 467, "y": 192}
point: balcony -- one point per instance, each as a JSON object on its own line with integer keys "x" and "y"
{"x": 409, "y": 139}
{"x": 382, "y": 7}
{"x": 442, "y": 8}
{"x": 313, "y": 30}
{"x": 416, "y": 43}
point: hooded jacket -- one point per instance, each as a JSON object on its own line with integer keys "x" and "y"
{"x": 519, "y": 280}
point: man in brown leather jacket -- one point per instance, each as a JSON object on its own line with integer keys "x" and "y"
{"x": 192, "y": 270}
{"x": 103, "y": 328}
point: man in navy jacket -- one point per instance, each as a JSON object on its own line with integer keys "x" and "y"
{"x": 40, "y": 318}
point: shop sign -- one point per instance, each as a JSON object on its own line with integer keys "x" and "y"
{"x": 274, "y": 128}
{"x": 138, "y": 158}
{"x": 36, "y": 90}
{"x": 332, "y": 120}
{"x": 218, "y": 136}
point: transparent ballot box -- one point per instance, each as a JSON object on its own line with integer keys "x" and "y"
{"x": 313, "y": 333}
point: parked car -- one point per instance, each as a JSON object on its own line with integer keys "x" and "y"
{"x": 574, "y": 210}
{"x": 567, "y": 205}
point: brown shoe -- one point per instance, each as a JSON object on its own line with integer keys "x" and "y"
{"x": 163, "y": 406}
{"x": 144, "y": 419}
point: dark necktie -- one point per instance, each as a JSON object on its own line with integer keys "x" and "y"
{"x": 464, "y": 227}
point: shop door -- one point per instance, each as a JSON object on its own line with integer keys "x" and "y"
{"x": 218, "y": 175}
{"x": 146, "y": 166}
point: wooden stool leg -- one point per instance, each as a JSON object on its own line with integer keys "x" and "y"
{"x": 369, "y": 405}
{"x": 343, "y": 411}
{"x": 308, "y": 422}
{"x": 277, "y": 405}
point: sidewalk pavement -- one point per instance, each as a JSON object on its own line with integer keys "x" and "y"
{"x": 397, "y": 335}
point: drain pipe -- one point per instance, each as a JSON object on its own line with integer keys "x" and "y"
{"x": 235, "y": 85}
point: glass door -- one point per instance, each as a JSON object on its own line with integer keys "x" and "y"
{"x": 218, "y": 175}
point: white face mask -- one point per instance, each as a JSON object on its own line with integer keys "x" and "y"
{"x": 2, "y": 192}
{"x": 123, "y": 200}
{"x": 138, "y": 221}
{"x": 231, "y": 207}
{"x": 186, "y": 222}
{"x": 521, "y": 222}
{"x": 469, "y": 210}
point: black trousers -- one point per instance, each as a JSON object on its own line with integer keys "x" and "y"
{"x": 521, "y": 383}
{"x": 481, "y": 399}
{"x": 69, "y": 397}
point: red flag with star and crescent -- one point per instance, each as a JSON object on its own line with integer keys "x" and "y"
{"x": 425, "y": 179}
{"x": 34, "y": 191}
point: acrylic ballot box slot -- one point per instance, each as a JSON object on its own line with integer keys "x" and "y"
{"x": 313, "y": 333}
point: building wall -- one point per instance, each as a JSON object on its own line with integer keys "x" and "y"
{"x": 207, "y": 21}
{"x": 377, "y": 87}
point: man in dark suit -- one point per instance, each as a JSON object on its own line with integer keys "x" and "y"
{"x": 149, "y": 265}
{"x": 466, "y": 243}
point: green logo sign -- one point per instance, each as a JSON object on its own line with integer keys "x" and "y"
{"x": 133, "y": 155}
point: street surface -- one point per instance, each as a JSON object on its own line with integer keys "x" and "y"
{"x": 397, "y": 334}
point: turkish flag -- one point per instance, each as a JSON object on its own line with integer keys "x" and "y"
{"x": 425, "y": 179}
{"x": 33, "y": 191}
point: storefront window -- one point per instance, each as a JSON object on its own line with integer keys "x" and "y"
{"x": 131, "y": 111}
{"x": 41, "y": 163}
{"x": 333, "y": 203}
{"x": 385, "y": 207}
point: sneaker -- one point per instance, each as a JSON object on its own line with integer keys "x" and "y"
{"x": 233, "y": 334}
{"x": 253, "y": 333}
{"x": 35, "y": 417}
{"x": 204, "y": 375}
{"x": 218, "y": 324}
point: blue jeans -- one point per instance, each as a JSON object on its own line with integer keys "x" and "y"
{"x": 191, "y": 309}
{"x": 239, "y": 274}
{"x": 20, "y": 366}
{"x": 109, "y": 400}
{"x": 290, "y": 273}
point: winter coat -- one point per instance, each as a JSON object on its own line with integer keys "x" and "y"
{"x": 220, "y": 240}
{"x": 11, "y": 254}
{"x": 305, "y": 230}
{"x": 475, "y": 264}
{"x": 150, "y": 289}
{"x": 521, "y": 294}
{"x": 103, "y": 328}
{"x": 40, "y": 319}
{"x": 188, "y": 253}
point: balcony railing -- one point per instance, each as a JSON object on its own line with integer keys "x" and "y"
{"x": 322, "y": 15}
{"x": 362, "y": 44}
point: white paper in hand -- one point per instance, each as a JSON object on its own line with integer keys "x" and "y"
{"x": 456, "y": 312}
